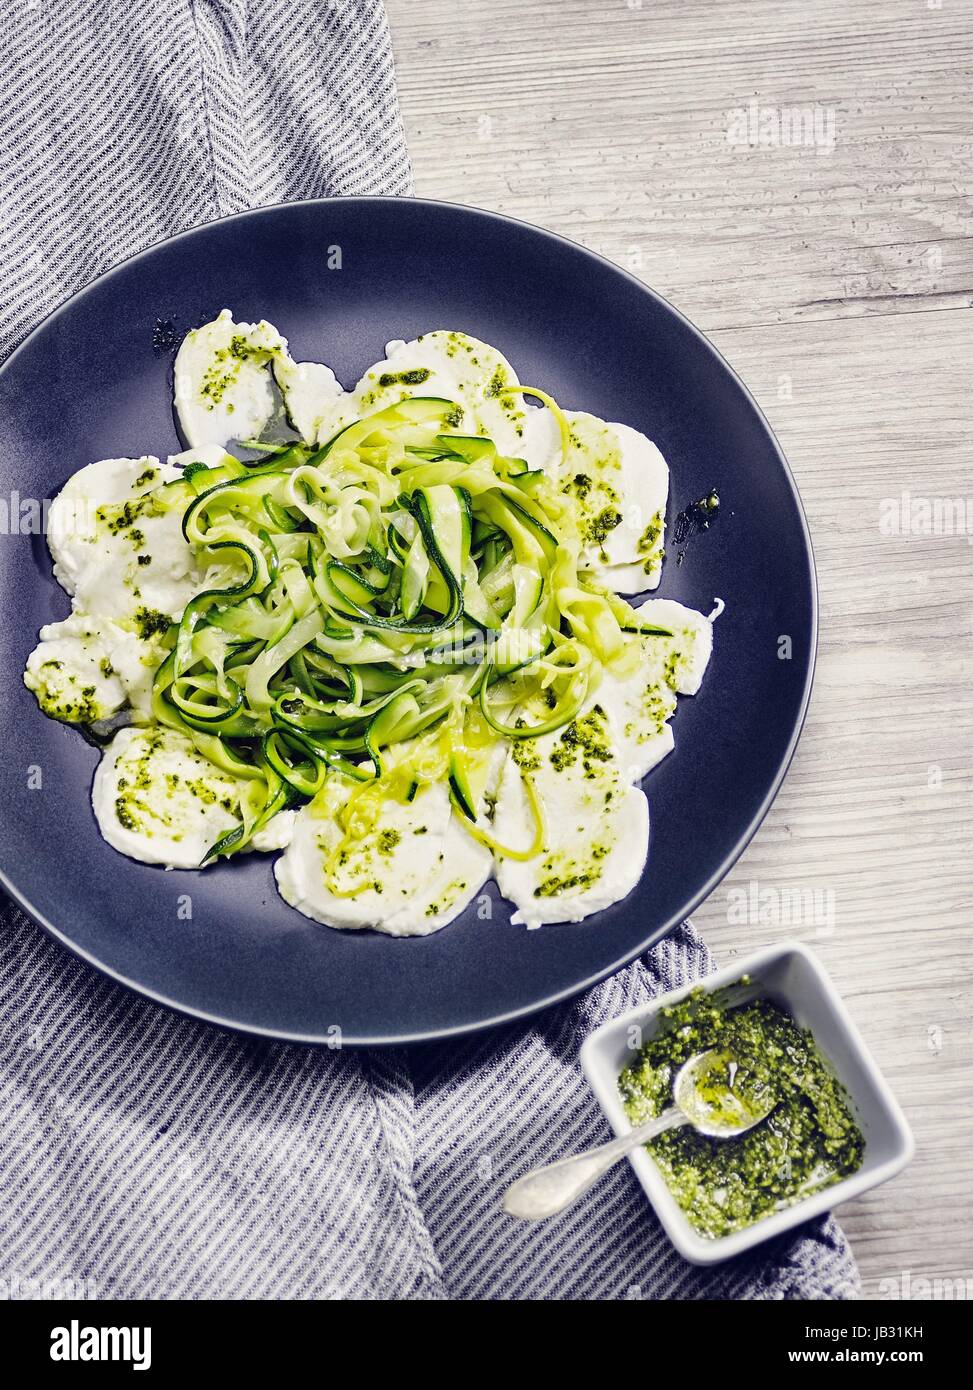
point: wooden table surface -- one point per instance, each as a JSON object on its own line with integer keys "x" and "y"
{"x": 795, "y": 177}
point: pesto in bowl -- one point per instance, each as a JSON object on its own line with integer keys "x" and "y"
{"x": 809, "y": 1140}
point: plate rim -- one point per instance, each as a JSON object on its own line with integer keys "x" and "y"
{"x": 659, "y": 933}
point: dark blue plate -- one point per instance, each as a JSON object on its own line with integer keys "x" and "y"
{"x": 94, "y": 381}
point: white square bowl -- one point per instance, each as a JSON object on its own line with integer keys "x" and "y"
{"x": 791, "y": 976}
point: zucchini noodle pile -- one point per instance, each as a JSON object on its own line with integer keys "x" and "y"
{"x": 397, "y": 603}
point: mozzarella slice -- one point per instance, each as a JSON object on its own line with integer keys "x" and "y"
{"x": 277, "y": 834}
{"x": 160, "y": 801}
{"x": 134, "y": 660}
{"x": 85, "y": 669}
{"x": 686, "y": 654}
{"x": 71, "y": 674}
{"x": 640, "y": 706}
{"x": 73, "y": 530}
{"x": 541, "y": 443}
{"x": 590, "y": 472}
{"x": 115, "y": 537}
{"x": 373, "y": 880}
{"x": 458, "y": 368}
{"x": 643, "y": 489}
{"x": 313, "y": 396}
{"x": 225, "y": 376}
{"x": 620, "y": 485}
{"x": 115, "y": 532}
{"x": 466, "y": 865}
{"x": 223, "y": 387}
{"x": 596, "y": 831}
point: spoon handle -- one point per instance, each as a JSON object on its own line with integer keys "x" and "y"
{"x": 546, "y": 1191}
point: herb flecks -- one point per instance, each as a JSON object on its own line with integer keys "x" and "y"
{"x": 586, "y": 738}
{"x": 149, "y": 622}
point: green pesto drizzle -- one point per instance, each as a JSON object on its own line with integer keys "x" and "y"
{"x": 587, "y": 739}
{"x": 149, "y": 622}
{"x": 415, "y": 377}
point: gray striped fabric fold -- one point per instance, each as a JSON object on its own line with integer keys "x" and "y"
{"x": 122, "y": 124}
{"x": 147, "y": 1155}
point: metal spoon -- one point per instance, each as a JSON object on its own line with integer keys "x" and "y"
{"x": 547, "y": 1191}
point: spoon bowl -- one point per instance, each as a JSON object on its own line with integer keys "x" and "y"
{"x": 704, "y": 1091}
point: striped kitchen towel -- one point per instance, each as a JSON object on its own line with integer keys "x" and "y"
{"x": 145, "y": 1155}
